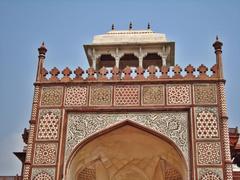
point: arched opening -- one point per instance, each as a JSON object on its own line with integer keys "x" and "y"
{"x": 152, "y": 59}
{"x": 106, "y": 60}
{"x": 127, "y": 152}
{"x": 128, "y": 60}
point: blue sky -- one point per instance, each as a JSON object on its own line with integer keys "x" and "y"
{"x": 66, "y": 25}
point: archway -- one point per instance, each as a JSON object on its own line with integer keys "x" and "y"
{"x": 106, "y": 60}
{"x": 152, "y": 59}
{"x": 128, "y": 60}
{"x": 124, "y": 152}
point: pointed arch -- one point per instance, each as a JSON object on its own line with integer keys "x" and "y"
{"x": 115, "y": 127}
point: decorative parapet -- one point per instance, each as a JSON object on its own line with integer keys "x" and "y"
{"x": 152, "y": 73}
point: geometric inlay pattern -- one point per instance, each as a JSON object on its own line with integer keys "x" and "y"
{"x": 170, "y": 124}
{"x": 45, "y": 153}
{"x": 43, "y": 174}
{"x": 205, "y": 94}
{"x": 101, "y": 95}
{"x": 127, "y": 95}
{"x": 210, "y": 174}
{"x": 48, "y": 124}
{"x": 178, "y": 94}
{"x": 51, "y": 96}
{"x": 87, "y": 174}
{"x": 172, "y": 174}
{"x": 76, "y": 96}
{"x": 153, "y": 95}
{"x": 208, "y": 153}
{"x": 206, "y": 123}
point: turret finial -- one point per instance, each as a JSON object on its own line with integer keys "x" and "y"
{"x": 217, "y": 44}
{"x": 148, "y": 26}
{"x": 130, "y": 25}
{"x": 42, "y": 49}
{"x": 113, "y": 27}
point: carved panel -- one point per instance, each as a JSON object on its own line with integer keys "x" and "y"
{"x": 101, "y": 95}
{"x": 153, "y": 95}
{"x": 45, "y": 153}
{"x": 210, "y": 174}
{"x": 206, "y": 121}
{"x": 172, "y": 124}
{"x": 178, "y": 94}
{"x": 51, "y": 96}
{"x": 43, "y": 174}
{"x": 76, "y": 96}
{"x": 48, "y": 124}
{"x": 127, "y": 95}
{"x": 205, "y": 93}
{"x": 208, "y": 153}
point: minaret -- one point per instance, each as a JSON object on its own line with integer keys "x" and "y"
{"x": 218, "y": 50}
{"x": 41, "y": 57}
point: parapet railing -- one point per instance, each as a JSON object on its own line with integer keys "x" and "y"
{"x": 130, "y": 74}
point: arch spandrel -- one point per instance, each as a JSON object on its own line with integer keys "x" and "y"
{"x": 83, "y": 127}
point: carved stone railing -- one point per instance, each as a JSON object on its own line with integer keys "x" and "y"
{"x": 152, "y": 73}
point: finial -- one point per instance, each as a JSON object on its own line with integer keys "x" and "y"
{"x": 217, "y": 44}
{"x": 113, "y": 28}
{"x": 42, "y": 49}
{"x": 130, "y": 25}
{"x": 148, "y": 26}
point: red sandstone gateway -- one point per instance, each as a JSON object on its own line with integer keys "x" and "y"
{"x": 132, "y": 115}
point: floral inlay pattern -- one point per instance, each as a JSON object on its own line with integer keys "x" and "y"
{"x": 153, "y": 95}
{"x": 172, "y": 124}
{"x": 51, "y": 96}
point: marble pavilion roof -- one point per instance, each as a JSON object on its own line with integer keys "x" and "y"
{"x": 129, "y": 37}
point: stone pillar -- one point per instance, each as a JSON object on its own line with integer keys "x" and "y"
{"x": 164, "y": 52}
{"x": 140, "y": 58}
{"x": 94, "y": 59}
{"x": 30, "y": 145}
{"x": 94, "y": 64}
{"x": 117, "y": 61}
{"x": 117, "y": 58}
{"x": 223, "y": 111}
{"x": 164, "y": 60}
{"x": 226, "y": 144}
